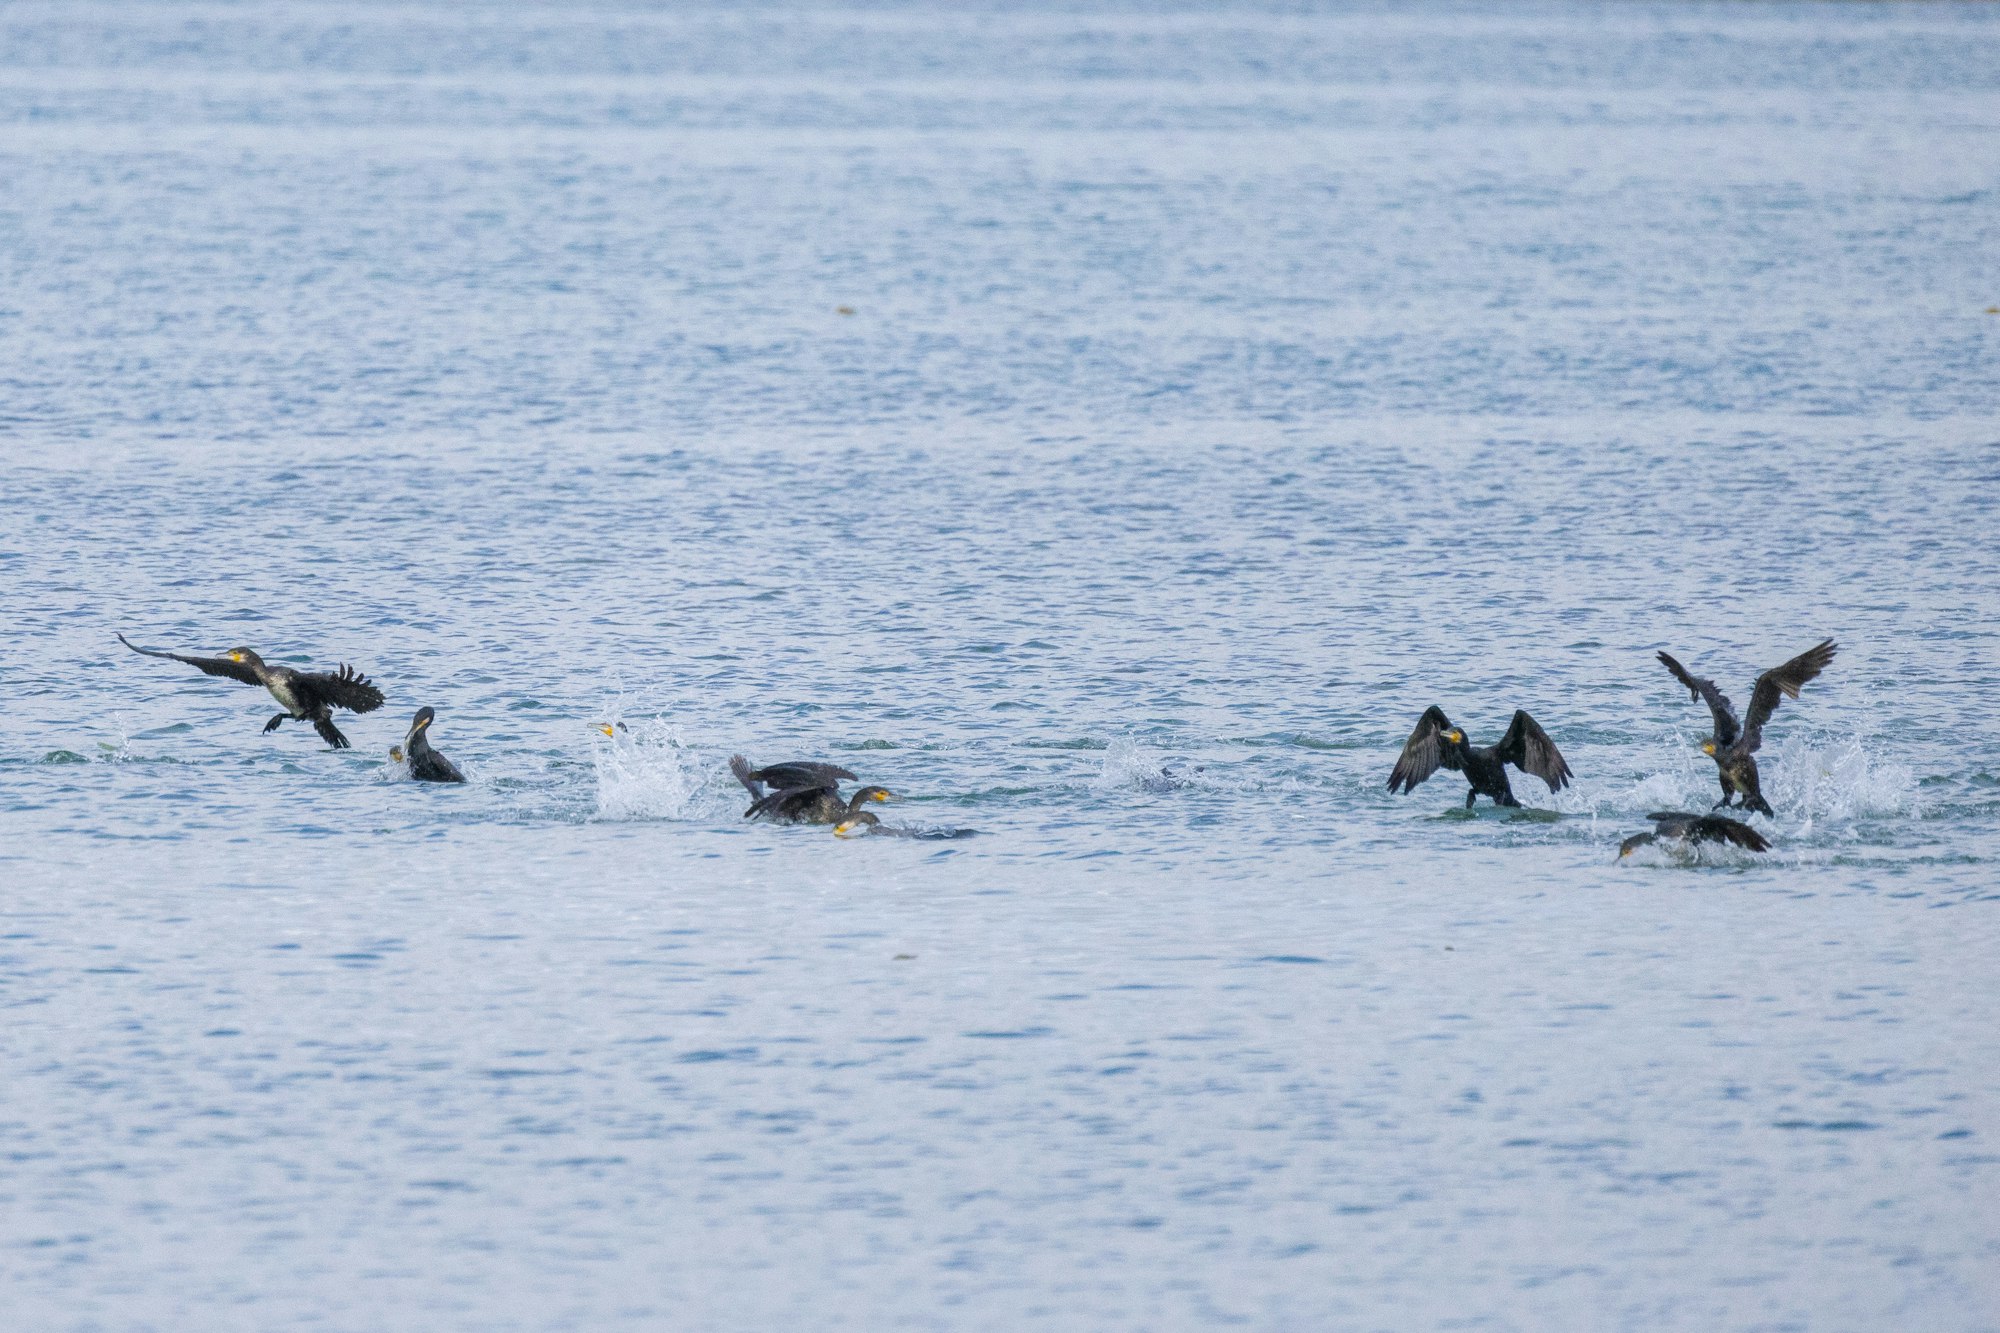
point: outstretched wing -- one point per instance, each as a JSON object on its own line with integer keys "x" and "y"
{"x": 214, "y": 666}
{"x": 1718, "y": 703}
{"x": 1527, "y": 747}
{"x": 1782, "y": 682}
{"x": 1422, "y": 753}
{"x": 344, "y": 688}
{"x": 803, "y": 775}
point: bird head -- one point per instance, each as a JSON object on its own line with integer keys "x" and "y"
{"x": 245, "y": 656}
{"x": 1455, "y": 736}
{"x": 612, "y": 729}
{"x": 1633, "y": 844}
{"x": 425, "y": 716}
{"x": 867, "y": 794}
{"x": 1708, "y": 747}
{"x": 395, "y": 754}
{"x": 855, "y": 825}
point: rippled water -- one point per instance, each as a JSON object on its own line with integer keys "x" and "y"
{"x": 1109, "y": 428}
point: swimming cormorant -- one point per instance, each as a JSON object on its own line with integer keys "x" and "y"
{"x": 803, "y": 793}
{"x": 307, "y": 696}
{"x": 1732, "y": 746}
{"x": 426, "y": 764}
{"x": 861, "y": 821}
{"x": 1436, "y": 742}
{"x": 1675, "y": 826}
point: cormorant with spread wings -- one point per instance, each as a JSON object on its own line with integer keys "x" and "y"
{"x": 1677, "y": 827}
{"x": 1733, "y": 746}
{"x": 803, "y": 793}
{"x": 1437, "y": 743}
{"x": 307, "y": 696}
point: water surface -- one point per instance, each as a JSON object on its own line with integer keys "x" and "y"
{"x": 1109, "y": 428}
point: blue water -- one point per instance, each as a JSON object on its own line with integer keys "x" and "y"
{"x": 1109, "y": 427}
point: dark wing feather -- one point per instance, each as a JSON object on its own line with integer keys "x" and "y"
{"x": 430, "y": 766}
{"x": 1715, "y": 828}
{"x": 1423, "y": 753}
{"x": 741, "y": 768}
{"x": 1708, "y": 828}
{"x": 1527, "y": 747}
{"x": 803, "y": 775}
{"x": 1782, "y": 682}
{"x": 214, "y": 666}
{"x": 788, "y": 802}
{"x": 1718, "y": 702}
{"x": 344, "y": 688}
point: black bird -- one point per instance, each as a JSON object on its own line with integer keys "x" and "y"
{"x": 1437, "y": 742}
{"x": 426, "y": 764}
{"x": 857, "y": 823}
{"x": 307, "y": 696}
{"x": 1732, "y": 746}
{"x": 803, "y": 793}
{"x": 1674, "y": 826}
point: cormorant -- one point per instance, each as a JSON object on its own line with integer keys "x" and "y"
{"x": 1437, "y": 742}
{"x": 1675, "y": 826}
{"x": 861, "y": 821}
{"x": 426, "y": 764}
{"x": 803, "y": 793}
{"x": 1732, "y": 746}
{"x": 307, "y": 696}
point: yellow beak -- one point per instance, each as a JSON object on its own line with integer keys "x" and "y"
{"x": 609, "y": 731}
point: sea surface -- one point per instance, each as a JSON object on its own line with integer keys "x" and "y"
{"x": 1108, "y": 426}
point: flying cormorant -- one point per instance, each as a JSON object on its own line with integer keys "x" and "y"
{"x": 1732, "y": 746}
{"x": 426, "y": 764}
{"x": 1675, "y": 826}
{"x": 803, "y": 793}
{"x": 1437, "y": 742}
{"x": 307, "y": 696}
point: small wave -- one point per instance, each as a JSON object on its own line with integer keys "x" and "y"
{"x": 645, "y": 771}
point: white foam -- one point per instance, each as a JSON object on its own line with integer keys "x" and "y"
{"x": 1821, "y": 777}
{"x": 1805, "y": 777}
{"x": 1129, "y": 765}
{"x": 645, "y": 771}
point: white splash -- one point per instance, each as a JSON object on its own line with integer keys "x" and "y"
{"x": 1129, "y": 765}
{"x": 1836, "y": 778}
{"x": 645, "y": 771}
{"x": 1805, "y": 777}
